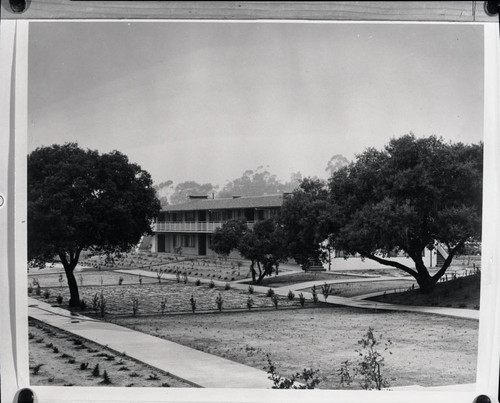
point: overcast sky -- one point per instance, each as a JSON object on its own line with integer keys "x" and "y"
{"x": 206, "y": 101}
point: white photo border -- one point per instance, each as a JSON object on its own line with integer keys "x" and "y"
{"x": 13, "y": 222}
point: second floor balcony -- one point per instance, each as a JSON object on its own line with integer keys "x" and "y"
{"x": 189, "y": 226}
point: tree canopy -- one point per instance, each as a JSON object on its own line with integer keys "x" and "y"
{"x": 264, "y": 245}
{"x": 411, "y": 194}
{"x": 259, "y": 182}
{"x": 79, "y": 199}
{"x": 190, "y": 188}
{"x": 306, "y": 216}
{"x": 227, "y": 238}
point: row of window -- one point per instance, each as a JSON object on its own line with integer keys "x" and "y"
{"x": 219, "y": 215}
{"x": 186, "y": 241}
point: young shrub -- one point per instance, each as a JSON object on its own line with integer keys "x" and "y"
{"x": 185, "y": 278}
{"x": 307, "y": 379}
{"x": 46, "y": 294}
{"x": 140, "y": 279}
{"x": 83, "y": 305}
{"x": 369, "y": 365}
{"x": 270, "y": 293}
{"x": 302, "y": 299}
{"x": 120, "y": 280}
{"x": 314, "y": 294}
{"x": 30, "y": 289}
{"x": 36, "y": 369}
{"x": 159, "y": 275}
{"x": 211, "y": 284}
{"x": 275, "y": 300}
{"x": 153, "y": 377}
{"x": 326, "y": 290}
{"x": 249, "y": 302}
{"x": 250, "y": 289}
{"x": 227, "y": 287}
{"x": 291, "y": 295}
{"x": 55, "y": 350}
{"x": 135, "y": 306}
{"x": 197, "y": 282}
{"x": 192, "y": 301}
{"x": 219, "y": 301}
{"x": 95, "y": 303}
{"x": 84, "y": 366}
{"x": 105, "y": 378}
{"x": 96, "y": 371}
{"x": 102, "y": 304}
{"x": 163, "y": 305}
{"x": 38, "y": 290}
{"x": 59, "y": 299}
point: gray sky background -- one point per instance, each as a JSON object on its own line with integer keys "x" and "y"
{"x": 206, "y": 101}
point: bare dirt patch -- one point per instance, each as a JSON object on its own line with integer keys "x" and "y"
{"x": 427, "y": 350}
{"x": 58, "y": 358}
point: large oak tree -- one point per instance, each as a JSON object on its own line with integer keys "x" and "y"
{"x": 411, "y": 194}
{"x": 79, "y": 199}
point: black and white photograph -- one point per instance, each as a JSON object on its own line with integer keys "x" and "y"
{"x": 254, "y": 205}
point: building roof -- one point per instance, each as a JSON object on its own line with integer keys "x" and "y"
{"x": 232, "y": 203}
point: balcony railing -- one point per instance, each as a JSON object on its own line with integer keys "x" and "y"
{"x": 189, "y": 226}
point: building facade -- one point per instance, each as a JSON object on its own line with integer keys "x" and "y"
{"x": 189, "y": 226}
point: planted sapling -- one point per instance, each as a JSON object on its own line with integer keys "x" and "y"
{"x": 275, "y": 300}
{"x": 135, "y": 306}
{"x": 192, "y": 301}
{"x": 302, "y": 299}
{"x": 249, "y": 302}
{"x": 219, "y": 301}
{"x": 314, "y": 294}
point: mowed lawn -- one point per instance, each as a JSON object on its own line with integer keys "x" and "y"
{"x": 427, "y": 350}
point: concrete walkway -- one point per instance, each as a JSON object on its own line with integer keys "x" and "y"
{"x": 336, "y": 300}
{"x": 202, "y": 369}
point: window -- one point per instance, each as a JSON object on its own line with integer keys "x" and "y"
{"x": 188, "y": 241}
{"x": 190, "y": 216}
{"x": 260, "y": 214}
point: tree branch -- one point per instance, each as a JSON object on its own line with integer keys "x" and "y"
{"x": 391, "y": 263}
{"x": 448, "y": 260}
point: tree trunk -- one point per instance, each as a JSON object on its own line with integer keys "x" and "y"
{"x": 425, "y": 282}
{"x": 252, "y": 269}
{"x": 74, "y": 300}
{"x": 69, "y": 268}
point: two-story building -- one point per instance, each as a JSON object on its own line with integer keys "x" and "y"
{"x": 190, "y": 225}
